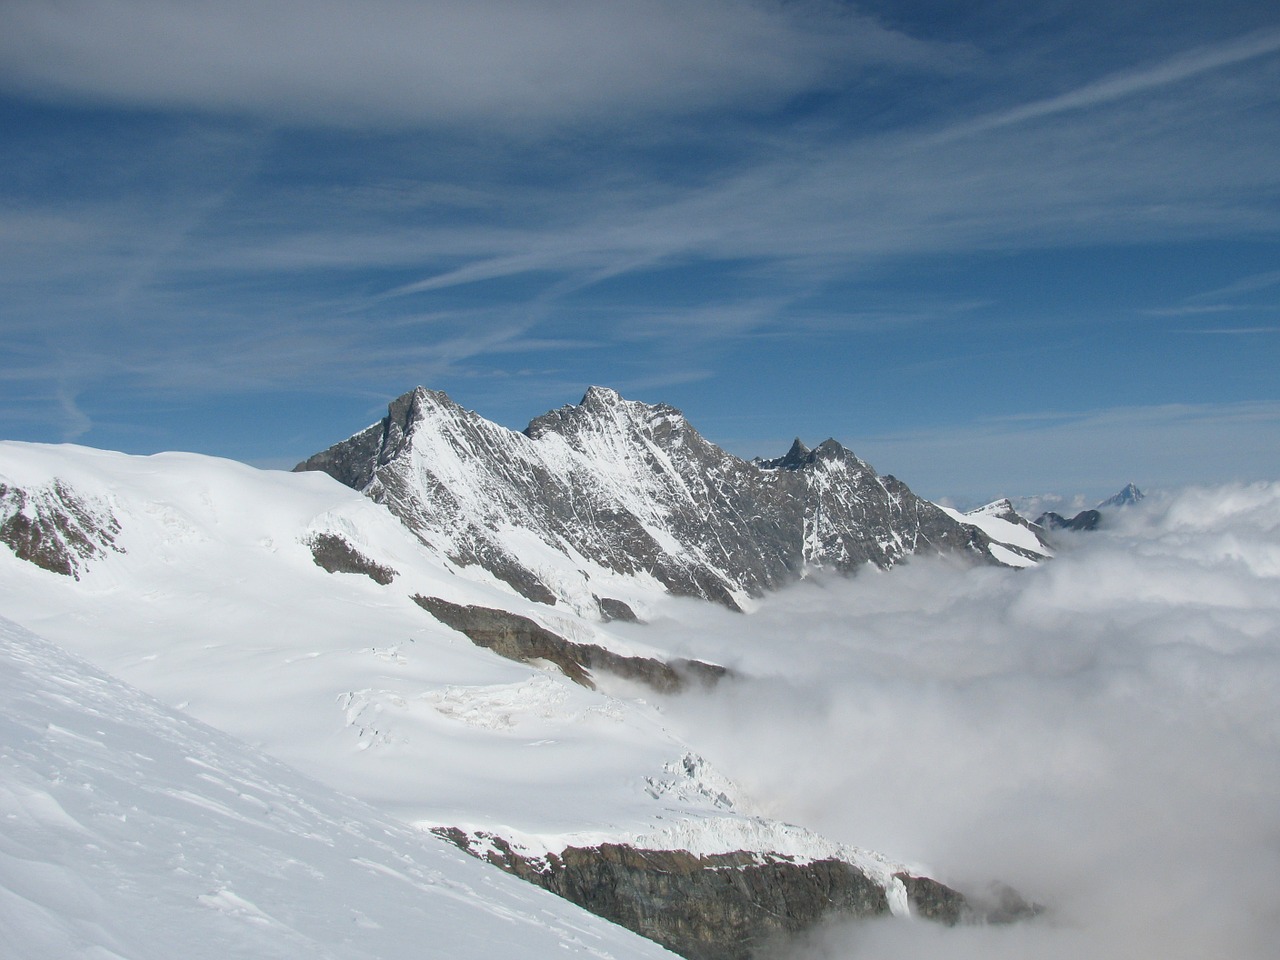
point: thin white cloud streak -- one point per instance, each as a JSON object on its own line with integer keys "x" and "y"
{"x": 1129, "y": 83}
{"x": 1192, "y": 311}
{"x": 1132, "y": 170}
{"x": 1225, "y": 299}
{"x": 1234, "y": 331}
{"x": 1245, "y": 285}
{"x": 334, "y": 355}
{"x": 406, "y": 63}
{"x": 1099, "y": 732}
{"x": 76, "y": 423}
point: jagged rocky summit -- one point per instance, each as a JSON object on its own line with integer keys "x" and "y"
{"x": 1127, "y": 497}
{"x": 614, "y": 490}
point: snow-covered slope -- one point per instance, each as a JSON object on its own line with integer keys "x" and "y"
{"x": 211, "y": 600}
{"x": 611, "y": 499}
{"x": 132, "y": 831}
{"x": 211, "y": 595}
{"x": 1014, "y": 540}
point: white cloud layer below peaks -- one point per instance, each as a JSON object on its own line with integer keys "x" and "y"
{"x": 1100, "y": 731}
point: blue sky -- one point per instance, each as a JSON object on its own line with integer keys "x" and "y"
{"x": 996, "y": 248}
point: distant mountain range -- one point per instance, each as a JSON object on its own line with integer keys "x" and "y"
{"x": 614, "y": 494}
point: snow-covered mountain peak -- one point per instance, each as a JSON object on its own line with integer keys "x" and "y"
{"x": 600, "y": 397}
{"x": 410, "y": 408}
{"x": 611, "y": 498}
{"x": 603, "y": 410}
{"x": 421, "y": 405}
{"x": 1002, "y": 508}
{"x": 1016, "y": 540}
{"x": 1125, "y": 498}
{"x": 833, "y": 449}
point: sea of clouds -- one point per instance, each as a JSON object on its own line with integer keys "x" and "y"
{"x": 1101, "y": 732}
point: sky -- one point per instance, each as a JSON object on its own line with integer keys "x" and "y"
{"x": 995, "y": 248}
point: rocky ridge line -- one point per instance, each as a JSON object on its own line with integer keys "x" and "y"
{"x": 626, "y": 488}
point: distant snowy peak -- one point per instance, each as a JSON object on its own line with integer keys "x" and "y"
{"x": 614, "y": 499}
{"x": 1125, "y": 498}
{"x": 604, "y": 409}
{"x": 1002, "y": 508}
{"x": 1015, "y": 541}
{"x": 1091, "y": 519}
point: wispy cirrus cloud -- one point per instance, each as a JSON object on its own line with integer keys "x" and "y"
{"x": 1126, "y": 163}
{"x": 246, "y": 197}
{"x": 1135, "y": 157}
{"x": 1253, "y": 283}
{"x": 1235, "y": 331}
{"x": 1239, "y": 296}
{"x": 1129, "y": 83}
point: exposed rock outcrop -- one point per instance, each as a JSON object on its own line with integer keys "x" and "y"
{"x": 728, "y": 906}
{"x": 611, "y": 609}
{"x": 521, "y": 639}
{"x": 334, "y": 554}
{"x": 56, "y": 529}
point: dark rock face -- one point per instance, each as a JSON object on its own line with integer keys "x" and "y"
{"x": 729, "y": 906}
{"x": 335, "y": 555}
{"x": 519, "y": 638}
{"x": 56, "y": 529}
{"x": 634, "y": 488}
{"x": 796, "y": 457}
{"x": 1084, "y": 520}
{"x": 718, "y": 907}
{"x": 611, "y": 609}
{"x": 933, "y": 900}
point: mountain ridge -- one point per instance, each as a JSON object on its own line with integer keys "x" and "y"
{"x": 627, "y": 492}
